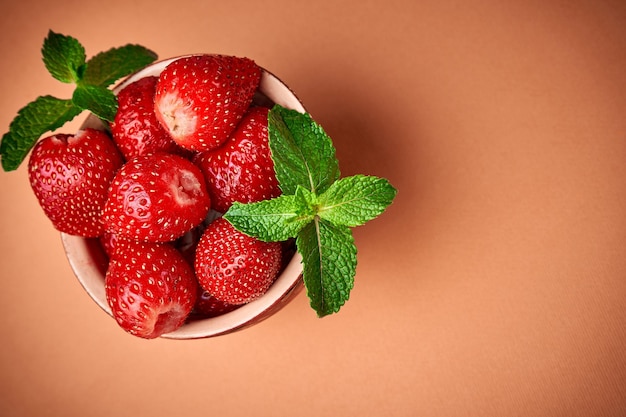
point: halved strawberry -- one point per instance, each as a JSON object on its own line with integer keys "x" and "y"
{"x": 200, "y": 99}
{"x": 235, "y": 268}
{"x": 150, "y": 288}
{"x": 70, "y": 176}
{"x": 156, "y": 198}
{"x": 136, "y": 130}
{"x": 242, "y": 169}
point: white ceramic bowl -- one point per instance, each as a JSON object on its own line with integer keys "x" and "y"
{"x": 89, "y": 262}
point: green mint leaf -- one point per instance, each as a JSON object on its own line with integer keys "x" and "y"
{"x": 273, "y": 220}
{"x": 45, "y": 114}
{"x": 302, "y": 152}
{"x": 353, "y": 201}
{"x": 64, "y": 57}
{"x": 329, "y": 264}
{"x": 107, "y": 67}
{"x": 98, "y": 100}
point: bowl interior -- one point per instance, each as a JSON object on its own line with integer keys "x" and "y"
{"x": 89, "y": 262}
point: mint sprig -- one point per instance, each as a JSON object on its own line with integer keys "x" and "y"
{"x": 65, "y": 59}
{"x": 318, "y": 208}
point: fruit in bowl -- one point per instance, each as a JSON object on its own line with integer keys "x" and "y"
{"x": 198, "y": 196}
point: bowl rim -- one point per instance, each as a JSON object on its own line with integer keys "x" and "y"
{"x": 88, "y": 260}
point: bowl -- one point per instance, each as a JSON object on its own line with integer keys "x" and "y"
{"x": 89, "y": 262}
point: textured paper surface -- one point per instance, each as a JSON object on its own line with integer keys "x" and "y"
{"x": 495, "y": 284}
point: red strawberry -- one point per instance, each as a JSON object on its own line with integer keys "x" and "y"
{"x": 242, "y": 169}
{"x": 150, "y": 288}
{"x": 209, "y": 306}
{"x": 234, "y": 267}
{"x": 70, "y": 176}
{"x": 135, "y": 130}
{"x": 108, "y": 240}
{"x": 156, "y": 198}
{"x": 200, "y": 99}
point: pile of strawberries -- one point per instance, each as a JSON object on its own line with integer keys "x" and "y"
{"x": 183, "y": 147}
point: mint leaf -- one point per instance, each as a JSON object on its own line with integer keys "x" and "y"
{"x": 302, "y": 152}
{"x": 45, "y": 114}
{"x": 98, "y": 100}
{"x": 329, "y": 264}
{"x": 355, "y": 200}
{"x": 107, "y": 67}
{"x": 272, "y": 220}
{"x": 64, "y": 57}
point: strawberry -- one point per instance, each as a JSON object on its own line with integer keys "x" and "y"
{"x": 135, "y": 130}
{"x": 209, "y": 306}
{"x": 200, "y": 99}
{"x": 242, "y": 169}
{"x": 235, "y": 268}
{"x": 156, "y": 198}
{"x": 150, "y": 288}
{"x": 70, "y": 176}
{"x": 108, "y": 241}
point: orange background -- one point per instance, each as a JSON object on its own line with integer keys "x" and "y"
{"x": 494, "y": 286}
